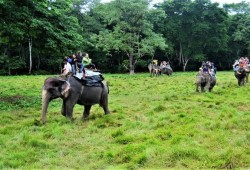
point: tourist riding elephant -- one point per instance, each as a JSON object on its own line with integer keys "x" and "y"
{"x": 205, "y": 80}
{"x": 72, "y": 91}
{"x": 241, "y": 75}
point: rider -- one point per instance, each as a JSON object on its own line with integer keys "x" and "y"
{"x": 87, "y": 62}
{"x": 67, "y": 69}
{"x": 155, "y": 62}
{"x": 236, "y": 65}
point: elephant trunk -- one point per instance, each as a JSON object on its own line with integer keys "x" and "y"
{"x": 45, "y": 103}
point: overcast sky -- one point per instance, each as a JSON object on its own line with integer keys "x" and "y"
{"x": 219, "y": 1}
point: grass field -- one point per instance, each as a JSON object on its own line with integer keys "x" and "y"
{"x": 155, "y": 123}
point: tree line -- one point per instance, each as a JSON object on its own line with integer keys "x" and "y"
{"x": 122, "y": 35}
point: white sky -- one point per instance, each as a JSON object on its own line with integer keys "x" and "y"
{"x": 219, "y": 1}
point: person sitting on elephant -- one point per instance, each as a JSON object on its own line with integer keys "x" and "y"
{"x": 67, "y": 69}
{"x": 168, "y": 66}
{"x": 74, "y": 64}
{"x": 155, "y": 62}
{"x": 163, "y": 64}
{"x": 79, "y": 62}
{"x": 236, "y": 65}
{"x": 246, "y": 61}
{"x": 213, "y": 68}
{"x": 87, "y": 62}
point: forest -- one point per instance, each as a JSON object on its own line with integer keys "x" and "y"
{"x": 121, "y": 36}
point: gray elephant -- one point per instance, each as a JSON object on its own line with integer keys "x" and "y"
{"x": 72, "y": 91}
{"x": 241, "y": 75}
{"x": 205, "y": 80}
{"x": 167, "y": 71}
{"x": 154, "y": 69}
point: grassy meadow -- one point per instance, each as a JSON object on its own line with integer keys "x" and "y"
{"x": 155, "y": 123}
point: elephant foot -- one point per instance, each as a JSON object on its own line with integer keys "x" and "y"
{"x": 69, "y": 118}
{"x": 84, "y": 118}
{"x": 106, "y": 113}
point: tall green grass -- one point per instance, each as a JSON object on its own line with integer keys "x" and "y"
{"x": 155, "y": 123}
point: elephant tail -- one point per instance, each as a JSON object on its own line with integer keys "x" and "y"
{"x": 107, "y": 83}
{"x": 105, "y": 92}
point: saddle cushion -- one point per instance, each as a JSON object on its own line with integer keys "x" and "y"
{"x": 92, "y": 81}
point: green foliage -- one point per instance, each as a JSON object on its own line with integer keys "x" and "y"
{"x": 238, "y": 28}
{"x": 130, "y": 32}
{"x": 183, "y": 32}
{"x": 155, "y": 123}
{"x": 53, "y": 32}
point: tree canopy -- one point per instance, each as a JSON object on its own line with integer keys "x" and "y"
{"x": 122, "y": 35}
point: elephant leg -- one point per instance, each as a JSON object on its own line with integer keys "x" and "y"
{"x": 239, "y": 82}
{"x": 63, "y": 110}
{"x": 86, "y": 111}
{"x": 210, "y": 89}
{"x": 197, "y": 88}
{"x": 69, "y": 106}
{"x": 243, "y": 82}
{"x": 202, "y": 89}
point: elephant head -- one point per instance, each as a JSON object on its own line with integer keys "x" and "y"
{"x": 205, "y": 80}
{"x": 53, "y": 88}
{"x": 241, "y": 74}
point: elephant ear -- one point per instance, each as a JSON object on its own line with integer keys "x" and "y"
{"x": 65, "y": 88}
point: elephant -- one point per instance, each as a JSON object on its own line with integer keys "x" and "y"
{"x": 72, "y": 91}
{"x": 154, "y": 69}
{"x": 167, "y": 71}
{"x": 241, "y": 75}
{"x": 205, "y": 80}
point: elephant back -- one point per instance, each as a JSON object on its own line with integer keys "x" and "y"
{"x": 91, "y": 81}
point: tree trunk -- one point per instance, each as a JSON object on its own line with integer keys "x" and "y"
{"x": 30, "y": 50}
{"x": 131, "y": 65}
{"x": 185, "y": 64}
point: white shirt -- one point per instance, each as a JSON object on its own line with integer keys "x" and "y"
{"x": 67, "y": 68}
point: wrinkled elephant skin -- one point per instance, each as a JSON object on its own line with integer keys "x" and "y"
{"x": 205, "y": 80}
{"x": 241, "y": 76}
{"x": 73, "y": 92}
